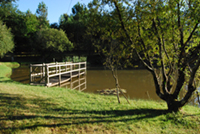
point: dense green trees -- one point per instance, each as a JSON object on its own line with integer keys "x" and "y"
{"x": 75, "y": 27}
{"x": 22, "y": 25}
{"x": 26, "y": 26}
{"x": 6, "y": 40}
{"x": 50, "y": 40}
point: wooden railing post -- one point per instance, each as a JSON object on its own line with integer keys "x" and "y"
{"x": 43, "y": 69}
{"x": 85, "y": 68}
{"x": 71, "y": 85}
{"x": 65, "y": 65}
{"x": 79, "y": 67}
{"x": 30, "y": 73}
{"x": 56, "y": 66}
{"x": 79, "y": 83}
{"x": 59, "y": 75}
{"x": 47, "y": 75}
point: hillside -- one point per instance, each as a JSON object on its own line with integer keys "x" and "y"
{"x": 35, "y": 109}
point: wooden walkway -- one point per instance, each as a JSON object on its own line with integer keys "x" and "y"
{"x": 52, "y": 74}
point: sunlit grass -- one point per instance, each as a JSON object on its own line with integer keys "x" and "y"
{"x": 35, "y": 109}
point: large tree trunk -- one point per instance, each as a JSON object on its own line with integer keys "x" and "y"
{"x": 172, "y": 104}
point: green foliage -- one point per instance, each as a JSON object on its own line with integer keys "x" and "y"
{"x": 107, "y": 36}
{"x": 7, "y": 1}
{"x": 53, "y": 40}
{"x": 42, "y": 13}
{"x": 32, "y": 23}
{"x": 74, "y": 26}
{"x": 23, "y": 26}
{"x": 6, "y": 40}
{"x": 75, "y": 59}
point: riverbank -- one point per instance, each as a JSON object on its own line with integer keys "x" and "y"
{"x": 34, "y": 109}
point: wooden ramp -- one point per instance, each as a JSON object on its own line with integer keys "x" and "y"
{"x": 52, "y": 74}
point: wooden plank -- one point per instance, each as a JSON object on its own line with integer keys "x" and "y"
{"x": 66, "y": 84}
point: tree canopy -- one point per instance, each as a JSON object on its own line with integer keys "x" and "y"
{"x": 53, "y": 40}
{"x": 6, "y": 40}
{"x": 42, "y": 12}
{"x": 163, "y": 34}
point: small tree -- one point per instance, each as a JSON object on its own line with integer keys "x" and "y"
{"x": 6, "y": 40}
{"x": 108, "y": 41}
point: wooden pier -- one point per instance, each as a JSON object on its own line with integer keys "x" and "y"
{"x": 52, "y": 74}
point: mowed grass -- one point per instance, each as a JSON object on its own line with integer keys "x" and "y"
{"x": 41, "y": 110}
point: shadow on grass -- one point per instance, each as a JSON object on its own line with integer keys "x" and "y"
{"x": 12, "y": 105}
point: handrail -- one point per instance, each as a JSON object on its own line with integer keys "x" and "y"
{"x": 49, "y": 70}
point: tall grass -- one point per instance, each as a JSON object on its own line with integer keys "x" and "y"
{"x": 35, "y": 109}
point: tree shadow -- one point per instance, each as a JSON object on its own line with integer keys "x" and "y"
{"x": 48, "y": 110}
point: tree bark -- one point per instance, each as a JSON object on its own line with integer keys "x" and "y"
{"x": 173, "y": 105}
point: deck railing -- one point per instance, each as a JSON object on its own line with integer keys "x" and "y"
{"x": 51, "y": 74}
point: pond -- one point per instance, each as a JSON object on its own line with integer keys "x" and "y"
{"x": 138, "y": 83}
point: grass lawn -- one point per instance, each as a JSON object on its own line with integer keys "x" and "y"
{"x": 36, "y": 110}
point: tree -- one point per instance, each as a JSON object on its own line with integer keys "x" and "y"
{"x": 74, "y": 27}
{"x": 32, "y": 26}
{"x": 165, "y": 36}
{"x": 7, "y": 1}
{"x": 16, "y": 20}
{"x": 6, "y": 40}
{"x": 108, "y": 40}
{"x": 42, "y": 13}
{"x": 54, "y": 25}
{"x": 52, "y": 40}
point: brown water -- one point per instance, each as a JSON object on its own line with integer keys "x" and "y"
{"x": 138, "y": 83}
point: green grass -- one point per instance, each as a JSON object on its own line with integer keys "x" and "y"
{"x": 36, "y": 110}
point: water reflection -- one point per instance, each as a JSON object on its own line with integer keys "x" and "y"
{"x": 138, "y": 83}
{"x": 78, "y": 83}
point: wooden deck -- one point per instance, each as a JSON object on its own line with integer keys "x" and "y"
{"x": 52, "y": 74}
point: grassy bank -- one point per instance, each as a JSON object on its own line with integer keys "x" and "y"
{"x": 34, "y": 109}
